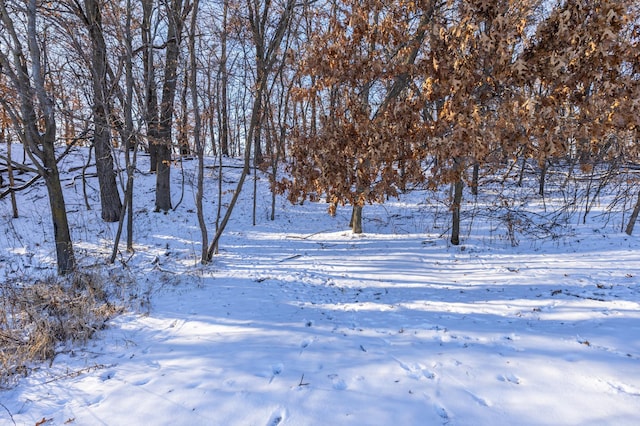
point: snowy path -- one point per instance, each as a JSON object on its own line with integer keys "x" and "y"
{"x": 332, "y": 329}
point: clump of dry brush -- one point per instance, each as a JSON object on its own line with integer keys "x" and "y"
{"x": 37, "y": 318}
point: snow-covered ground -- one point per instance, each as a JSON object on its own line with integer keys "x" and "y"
{"x": 300, "y": 322}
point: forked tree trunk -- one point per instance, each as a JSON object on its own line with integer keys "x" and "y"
{"x": 266, "y": 56}
{"x": 37, "y": 121}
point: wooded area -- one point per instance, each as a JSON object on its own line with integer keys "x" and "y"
{"x": 348, "y": 101}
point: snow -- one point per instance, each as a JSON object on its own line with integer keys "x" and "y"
{"x": 300, "y": 322}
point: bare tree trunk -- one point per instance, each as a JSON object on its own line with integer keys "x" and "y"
{"x": 523, "y": 166}
{"x": 175, "y": 21}
{"x": 356, "y": 219}
{"x": 543, "y": 177}
{"x": 131, "y": 146}
{"x": 634, "y": 217}
{"x": 109, "y": 196}
{"x": 183, "y": 132}
{"x": 36, "y": 122}
{"x": 14, "y": 204}
{"x": 199, "y": 146}
{"x": 64, "y": 248}
{"x": 150, "y": 87}
{"x": 475, "y": 178}
{"x": 458, "y": 186}
{"x": 279, "y": 131}
{"x": 223, "y": 99}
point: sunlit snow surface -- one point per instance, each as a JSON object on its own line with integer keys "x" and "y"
{"x": 300, "y": 322}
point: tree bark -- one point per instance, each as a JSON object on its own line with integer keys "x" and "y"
{"x": 131, "y": 145}
{"x": 150, "y": 86}
{"x": 109, "y": 195}
{"x": 543, "y": 178}
{"x": 223, "y": 99}
{"x": 199, "y": 146}
{"x": 14, "y": 204}
{"x": 163, "y": 178}
{"x": 475, "y": 178}
{"x": 183, "y": 127}
{"x": 634, "y": 217}
{"x": 62, "y": 236}
{"x": 458, "y": 186}
{"x": 37, "y": 122}
{"x": 356, "y": 219}
{"x": 175, "y": 21}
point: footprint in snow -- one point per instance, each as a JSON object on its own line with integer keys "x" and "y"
{"x": 141, "y": 382}
{"x": 107, "y": 375}
{"x": 509, "y": 378}
{"x": 416, "y": 371}
{"x": 276, "y": 370}
{"x": 277, "y": 417}
{"x": 306, "y": 342}
{"x": 479, "y": 400}
{"x": 337, "y": 382}
{"x": 429, "y": 374}
{"x": 443, "y": 414}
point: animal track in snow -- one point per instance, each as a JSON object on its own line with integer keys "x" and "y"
{"x": 337, "y": 382}
{"x": 416, "y": 371}
{"x": 277, "y": 417}
{"x": 107, "y": 375}
{"x": 482, "y": 401}
{"x": 509, "y": 378}
{"x": 276, "y": 370}
{"x": 443, "y": 414}
{"x": 306, "y": 342}
{"x": 141, "y": 382}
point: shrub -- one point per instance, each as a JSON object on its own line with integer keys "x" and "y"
{"x": 37, "y": 318}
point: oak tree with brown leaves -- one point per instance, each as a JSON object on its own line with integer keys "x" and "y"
{"x": 367, "y": 145}
{"x": 459, "y": 84}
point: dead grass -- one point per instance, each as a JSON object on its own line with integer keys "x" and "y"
{"x": 38, "y": 318}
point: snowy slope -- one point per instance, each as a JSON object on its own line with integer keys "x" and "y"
{"x": 300, "y": 322}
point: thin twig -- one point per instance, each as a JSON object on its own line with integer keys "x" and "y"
{"x": 302, "y": 381}
{"x": 295, "y": 256}
{"x": 10, "y": 415}
{"x": 79, "y": 372}
{"x": 307, "y": 236}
